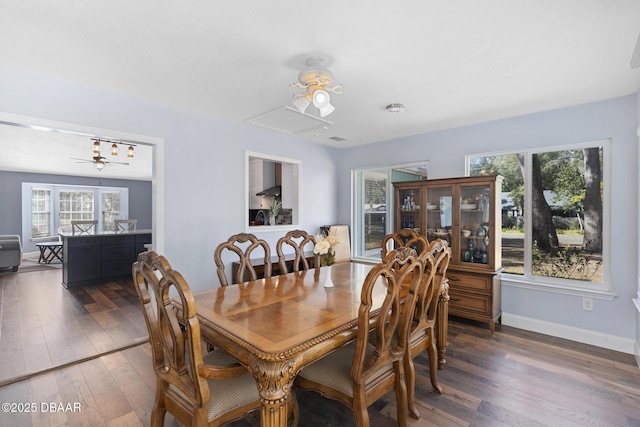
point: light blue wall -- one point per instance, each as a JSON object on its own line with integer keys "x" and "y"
{"x": 616, "y": 119}
{"x": 204, "y": 192}
{"x": 204, "y": 163}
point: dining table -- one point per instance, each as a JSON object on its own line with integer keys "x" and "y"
{"x": 278, "y": 325}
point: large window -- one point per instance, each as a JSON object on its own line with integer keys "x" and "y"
{"x": 554, "y": 212}
{"x": 49, "y": 209}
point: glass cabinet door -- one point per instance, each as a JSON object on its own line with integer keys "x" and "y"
{"x": 409, "y": 202}
{"x": 439, "y": 213}
{"x": 474, "y": 224}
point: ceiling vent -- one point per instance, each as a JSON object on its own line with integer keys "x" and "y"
{"x": 338, "y": 138}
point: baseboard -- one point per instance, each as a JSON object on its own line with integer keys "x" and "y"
{"x": 611, "y": 342}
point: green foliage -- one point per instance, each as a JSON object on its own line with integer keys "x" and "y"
{"x": 567, "y": 263}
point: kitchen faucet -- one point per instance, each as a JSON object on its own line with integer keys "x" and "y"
{"x": 264, "y": 218}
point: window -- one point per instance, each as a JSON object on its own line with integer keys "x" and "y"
{"x": 554, "y": 212}
{"x": 75, "y": 205}
{"x": 51, "y": 208}
{"x": 40, "y": 212}
{"x": 373, "y": 205}
{"x": 272, "y": 192}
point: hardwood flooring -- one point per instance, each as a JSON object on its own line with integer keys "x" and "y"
{"x": 511, "y": 378}
{"x": 44, "y": 326}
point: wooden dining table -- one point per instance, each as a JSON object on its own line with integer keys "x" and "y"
{"x": 276, "y": 326}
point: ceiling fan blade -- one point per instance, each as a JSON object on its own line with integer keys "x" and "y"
{"x": 81, "y": 160}
{"x": 116, "y": 163}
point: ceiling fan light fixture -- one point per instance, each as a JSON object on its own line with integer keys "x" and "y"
{"x": 321, "y": 99}
{"x": 316, "y": 80}
{"x": 301, "y": 103}
{"x": 326, "y": 110}
{"x": 99, "y": 165}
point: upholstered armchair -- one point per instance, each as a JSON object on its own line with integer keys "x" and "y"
{"x": 10, "y": 251}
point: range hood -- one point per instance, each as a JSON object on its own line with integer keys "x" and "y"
{"x": 276, "y": 190}
{"x": 272, "y": 191}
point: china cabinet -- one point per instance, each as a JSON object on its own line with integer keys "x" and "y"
{"x": 467, "y": 213}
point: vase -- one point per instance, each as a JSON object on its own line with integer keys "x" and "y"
{"x": 328, "y": 282}
{"x": 272, "y": 220}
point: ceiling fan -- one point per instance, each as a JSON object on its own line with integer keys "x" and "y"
{"x": 315, "y": 79}
{"x": 99, "y": 162}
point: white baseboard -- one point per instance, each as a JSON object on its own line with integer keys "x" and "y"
{"x": 612, "y": 342}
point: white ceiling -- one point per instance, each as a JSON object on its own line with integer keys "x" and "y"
{"x": 451, "y": 63}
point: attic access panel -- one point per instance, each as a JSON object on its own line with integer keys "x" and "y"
{"x": 290, "y": 121}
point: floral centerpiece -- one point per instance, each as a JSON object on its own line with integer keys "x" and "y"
{"x": 326, "y": 247}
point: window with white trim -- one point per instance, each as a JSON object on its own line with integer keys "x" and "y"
{"x": 555, "y": 208}
{"x": 50, "y": 208}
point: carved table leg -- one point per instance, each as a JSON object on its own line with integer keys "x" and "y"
{"x": 275, "y": 380}
{"x": 442, "y": 323}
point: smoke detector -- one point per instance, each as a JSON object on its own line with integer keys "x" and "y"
{"x": 395, "y": 108}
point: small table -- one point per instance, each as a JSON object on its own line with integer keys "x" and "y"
{"x": 49, "y": 251}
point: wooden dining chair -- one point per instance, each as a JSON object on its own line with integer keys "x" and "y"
{"x": 246, "y": 271}
{"x": 361, "y": 372}
{"x": 197, "y": 390}
{"x": 422, "y": 333}
{"x": 122, "y": 225}
{"x": 298, "y": 240}
{"x": 83, "y": 226}
{"x": 405, "y": 237}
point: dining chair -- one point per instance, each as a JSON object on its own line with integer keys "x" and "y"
{"x": 83, "y": 226}
{"x": 122, "y": 225}
{"x": 298, "y": 240}
{"x": 197, "y": 390}
{"x": 422, "y": 333}
{"x": 234, "y": 244}
{"x": 404, "y": 237}
{"x": 361, "y": 372}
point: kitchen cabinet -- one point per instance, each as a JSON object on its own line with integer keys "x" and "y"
{"x": 98, "y": 258}
{"x": 466, "y": 212}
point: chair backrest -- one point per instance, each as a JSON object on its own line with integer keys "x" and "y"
{"x": 125, "y": 225}
{"x": 298, "y": 240}
{"x": 174, "y": 336}
{"x": 441, "y": 257}
{"x": 405, "y": 237}
{"x": 83, "y": 226}
{"x": 246, "y": 271}
{"x": 391, "y": 325}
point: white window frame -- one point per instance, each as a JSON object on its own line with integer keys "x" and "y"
{"x": 357, "y": 215}
{"x": 55, "y": 189}
{"x": 561, "y": 285}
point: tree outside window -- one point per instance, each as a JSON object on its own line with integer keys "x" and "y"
{"x": 565, "y": 190}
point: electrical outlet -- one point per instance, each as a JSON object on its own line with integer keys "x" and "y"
{"x": 587, "y": 304}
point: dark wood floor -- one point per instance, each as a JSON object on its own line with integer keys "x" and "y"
{"x": 511, "y": 378}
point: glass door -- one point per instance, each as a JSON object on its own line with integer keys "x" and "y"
{"x": 474, "y": 224}
{"x": 439, "y": 213}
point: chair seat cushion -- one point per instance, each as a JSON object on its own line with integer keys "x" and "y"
{"x": 231, "y": 393}
{"x": 334, "y": 370}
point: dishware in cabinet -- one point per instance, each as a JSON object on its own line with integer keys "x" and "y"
{"x": 467, "y": 213}
{"x": 408, "y": 207}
